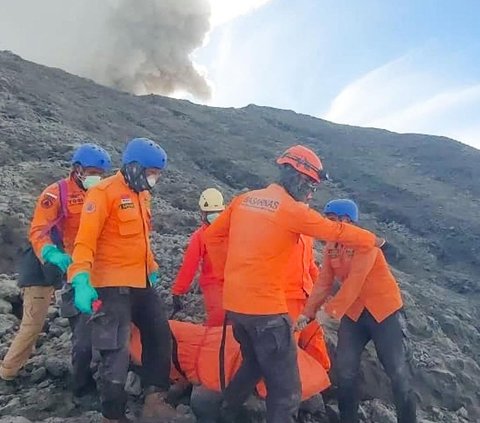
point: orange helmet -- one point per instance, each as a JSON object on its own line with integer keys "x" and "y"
{"x": 303, "y": 160}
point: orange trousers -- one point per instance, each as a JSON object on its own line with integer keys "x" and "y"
{"x": 213, "y": 299}
{"x": 311, "y": 339}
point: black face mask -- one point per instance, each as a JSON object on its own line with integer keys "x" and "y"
{"x": 135, "y": 177}
{"x": 300, "y": 188}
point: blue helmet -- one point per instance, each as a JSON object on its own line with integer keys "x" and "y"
{"x": 91, "y": 155}
{"x": 145, "y": 152}
{"x": 342, "y": 207}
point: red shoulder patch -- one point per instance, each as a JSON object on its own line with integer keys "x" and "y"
{"x": 47, "y": 201}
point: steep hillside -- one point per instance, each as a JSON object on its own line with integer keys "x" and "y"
{"x": 421, "y": 192}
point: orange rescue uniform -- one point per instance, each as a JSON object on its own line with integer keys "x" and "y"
{"x": 211, "y": 285}
{"x": 251, "y": 241}
{"x": 114, "y": 228}
{"x": 366, "y": 283}
{"x": 302, "y": 272}
{"x": 48, "y": 209}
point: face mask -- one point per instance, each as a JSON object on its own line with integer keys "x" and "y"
{"x": 152, "y": 180}
{"x": 211, "y": 217}
{"x": 134, "y": 175}
{"x": 90, "y": 181}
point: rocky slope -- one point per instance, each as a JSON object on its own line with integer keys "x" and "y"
{"x": 422, "y": 192}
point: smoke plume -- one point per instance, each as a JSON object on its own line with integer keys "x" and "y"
{"x": 148, "y": 44}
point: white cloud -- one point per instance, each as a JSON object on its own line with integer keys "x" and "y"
{"x": 224, "y": 11}
{"x": 425, "y": 113}
{"x": 404, "y": 95}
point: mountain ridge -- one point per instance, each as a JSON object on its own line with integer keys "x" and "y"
{"x": 420, "y": 191}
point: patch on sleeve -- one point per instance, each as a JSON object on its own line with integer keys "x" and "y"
{"x": 47, "y": 201}
{"x": 90, "y": 207}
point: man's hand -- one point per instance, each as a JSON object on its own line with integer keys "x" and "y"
{"x": 84, "y": 293}
{"x": 154, "y": 278}
{"x": 380, "y": 242}
{"x": 321, "y": 317}
{"x": 391, "y": 253}
{"x": 51, "y": 254}
{"x": 302, "y": 322}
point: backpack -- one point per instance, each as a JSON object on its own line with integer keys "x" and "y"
{"x": 31, "y": 271}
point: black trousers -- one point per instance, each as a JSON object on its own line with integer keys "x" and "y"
{"x": 392, "y": 350}
{"x": 111, "y": 337}
{"x": 269, "y": 351}
{"x": 82, "y": 379}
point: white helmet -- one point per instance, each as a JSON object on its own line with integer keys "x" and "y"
{"x": 211, "y": 200}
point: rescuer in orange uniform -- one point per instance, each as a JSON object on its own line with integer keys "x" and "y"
{"x": 249, "y": 245}
{"x": 369, "y": 305}
{"x": 211, "y": 205}
{"x": 52, "y": 233}
{"x": 301, "y": 273}
{"x": 114, "y": 263}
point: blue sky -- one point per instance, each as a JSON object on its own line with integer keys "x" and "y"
{"x": 408, "y": 66}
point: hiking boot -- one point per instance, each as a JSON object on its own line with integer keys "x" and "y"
{"x": 313, "y": 405}
{"x": 155, "y": 406}
{"x": 177, "y": 391}
{"x": 7, "y": 374}
{"x": 233, "y": 414}
{"x": 90, "y": 387}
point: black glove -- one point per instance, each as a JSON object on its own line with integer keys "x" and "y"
{"x": 177, "y": 303}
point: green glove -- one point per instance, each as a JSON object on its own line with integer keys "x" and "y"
{"x": 51, "y": 254}
{"x": 154, "y": 278}
{"x": 84, "y": 293}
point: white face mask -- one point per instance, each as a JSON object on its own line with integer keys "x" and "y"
{"x": 91, "y": 180}
{"x": 152, "y": 180}
{"x": 211, "y": 217}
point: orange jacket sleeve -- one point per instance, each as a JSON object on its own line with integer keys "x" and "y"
{"x": 46, "y": 211}
{"x": 321, "y": 289}
{"x": 191, "y": 261}
{"x": 361, "y": 265}
{"x": 216, "y": 240}
{"x": 94, "y": 213}
{"x": 302, "y": 219}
